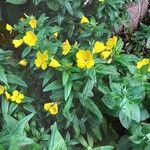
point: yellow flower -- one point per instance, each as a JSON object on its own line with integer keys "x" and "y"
{"x": 54, "y": 63}
{"x": 66, "y": 47}
{"x": 55, "y": 34}
{"x": 111, "y": 43}
{"x": 9, "y": 27}
{"x": 23, "y": 62}
{"x": 84, "y": 59}
{"x": 47, "y": 106}
{"x": 30, "y": 38}
{"x": 7, "y": 95}
{"x": 143, "y": 62}
{"x": 98, "y": 47}
{"x": 105, "y": 54}
{"x": 2, "y": 89}
{"x": 33, "y": 23}
{"x": 17, "y": 97}
{"x": 41, "y": 60}
{"x": 54, "y": 109}
{"x": 17, "y": 43}
{"x": 84, "y": 20}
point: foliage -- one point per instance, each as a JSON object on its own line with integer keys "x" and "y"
{"x": 66, "y": 81}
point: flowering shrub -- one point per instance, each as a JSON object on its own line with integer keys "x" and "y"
{"x": 72, "y": 92}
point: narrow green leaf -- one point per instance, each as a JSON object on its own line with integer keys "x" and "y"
{"x": 26, "y": 51}
{"x": 16, "y": 2}
{"x": 67, "y": 90}
{"x": 14, "y": 79}
{"x": 53, "y": 86}
{"x": 65, "y": 77}
{"x": 68, "y": 7}
{"x": 56, "y": 141}
{"x": 92, "y": 107}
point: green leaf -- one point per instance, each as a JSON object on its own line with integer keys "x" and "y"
{"x": 68, "y": 7}
{"x": 3, "y": 77}
{"x": 56, "y": 141}
{"x": 106, "y": 69}
{"x": 33, "y": 147}
{"x": 47, "y": 76}
{"x": 26, "y": 51}
{"x": 116, "y": 88}
{"x": 92, "y": 107}
{"x": 96, "y": 129}
{"x": 22, "y": 140}
{"x": 36, "y": 2}
{"x": 53, "y": 4}
{"x": 5, "y": 106}
{"x": 131, "y": 110}
{"x": 67, "y": 90}
{"x": 21, "y": 123}
{"x": 103, "y": 148}
{"x": 82, "y": 141}
{"x": 88, "y": 88}
{"x": 16, "y": 2}
{"x": 55, "y": 85}
{"x": 14, "y": 79}
{"x": 14, "y": 143}
{"x": 119, "y": 46}
{"x": 148, "y": 43}
{"x": 124, "y": 119}
{"x": 111, "y": 101}
{"x": 136, "y": 92}
{"x": 65, "y": 77}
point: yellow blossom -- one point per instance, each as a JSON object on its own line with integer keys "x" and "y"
{"x": 111, "y": 42}
{"x": 55, "y": 34}
{"x": 98, "y": 47}
{"x": 84, "y": 20}
{"x": 8, "y": 96}
{"x": 66, "y": 47}
{"x": 9, "y": 27}
{"x": 84, "y": 59}
{"x": 33, "y": 23}
{"x": 41, "y": 60}
{"x": 54, "y": 63}
{"x": 47, "y": 106}
{"x": 143, "y": 62}
{"x": 17, "y": 43}
{"x": 17, "y": 97}
{"x": 52, "y": 108}
{"x": 2, "y": 89}
{"x": 23, "y": 62}
{"x": 30, "y": 38}
{"x": 105, "y": 54}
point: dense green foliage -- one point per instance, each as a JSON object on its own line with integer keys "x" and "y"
{"x": 103, "y": 106}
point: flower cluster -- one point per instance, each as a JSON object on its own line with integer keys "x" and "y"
{"x": 143, "y": 62}
{"x": 52, "y": 108}
{"x": 15, "y": 97}
{"x": 105, "y": 50}
{"x": 29, "y": 38}
{"x": 41, "y": 61}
